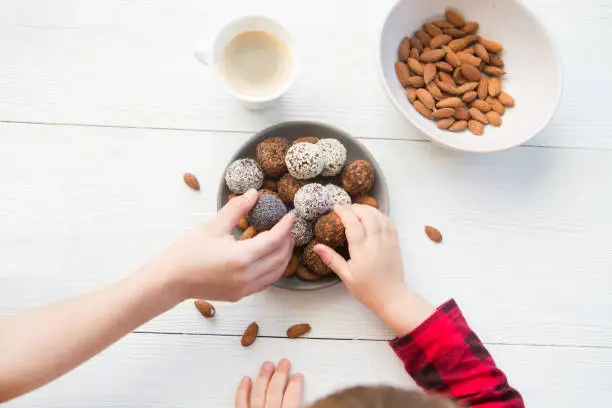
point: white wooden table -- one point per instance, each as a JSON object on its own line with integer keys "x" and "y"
{"x": 103, "y": 108}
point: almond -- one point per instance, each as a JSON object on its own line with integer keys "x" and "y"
{"x": 458, "y": 77}
{"x": 481, "y": 105}
{"x": 450, "y": 103}
{"x": 482, "y": 52}
{"x": 469, "y": 59}
{"x": 451, "y": 57}
{"x": 448, "y": 88}
{"x": 248, "y": 233}
{"x": 494, "y": 71}
{"x": 416, "y": 43}
{"x": 476, "y": 127}
{"x": 365, "y": 200}
{"x": 469, "y": 50}
{"x": 470, "y": 73}
{"x": 402, "y": 72}
{"x": 416, "y": 81}
{"x": 404, "y": 49}
{"x": 491, "y": 46}
{"x": 415, "y": 66}
{"x": 432, "y": 30}
{"x": 298, "y": 330}
{"x": 425, "y": 97}
{"x": 444, "y": 77}
{"x": 414, "y": 53}
{"x": 191, "y": 181}
{"x": 462, "y": 114}
{"x": 443, "y": 24}
{"x": 496, "y": 60}
{"x": 455, "y": 18}
{"x": 495, "y": 86}
{"x": 243, "y": 223}
{"x": 469, "y": 96}
{"x": 429, "y": 73}
{"x": 470, "y": 27}
{"x": 270, "y": 185}
{"x": 423, "y": 37}
{"x": 231, "y": 197}
{"x": 467, "y": 87}
{"x": 483, "y": 87}
{"x": 305, "y": 274}
{"x": 435, "y": 91}
{"x": 433, "y": 233}
{"x": 306, "y": 139}
{"x": 445, "y": 123}
{"x": 458, "y": 126}
{"x": 444, "y": 113}
{"x": 494, "y": 118}
{"x": 411, "y": 93}
{"x": 440, "y": 40}
{"x": 249, "y": 335}
{"x": 418, "y": 105}
{"x": 460, "y": 44}
{"x": 206, "y": 309}
{"x": 432, "y": 55}
{"x": 496, "y": 105}
{"x": 454, "y": 33}
{"x": 506, "y": 99}
{"x": 478, "y": 115}
{"x": 293, "y": 264}
{"x": 444, "y": 67}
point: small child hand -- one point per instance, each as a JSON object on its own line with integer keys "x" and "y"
{"x": 374, "y": 274}
{"x": 272, "y": 388}
{"x": 208, "y": 263}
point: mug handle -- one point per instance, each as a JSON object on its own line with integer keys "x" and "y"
{"x": 202, "y": 54}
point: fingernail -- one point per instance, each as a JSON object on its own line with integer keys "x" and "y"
{"x": 297, "y": 377}
{"x": 267, "y": 367}
{"x": 245, "y": 379}
{"x": 249, "y": 193}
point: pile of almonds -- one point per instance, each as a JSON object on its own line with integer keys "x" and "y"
{"x": 454, "y": 76}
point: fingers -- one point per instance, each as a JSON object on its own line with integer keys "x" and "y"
{"x": 271, "y": 273}
{"x": 228, "y": 216}
{"x": 278, "y": 383}
{"x": 334, "y": 260}
{"x": 293, "y": 393}
{"x": 258, "y": 394}
{"x": 243, "y": 393}
{"x": 373, "y": 221}
{"x": 269, "y": 241}
{"x": 355, "y": 233}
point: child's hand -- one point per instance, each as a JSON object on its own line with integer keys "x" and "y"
{"x": 208, "y": 263}
{"x": 374, "y": 274}
{"x": 272, "y": 389}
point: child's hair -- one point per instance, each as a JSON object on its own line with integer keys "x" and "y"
{"x": 382, "y": 397}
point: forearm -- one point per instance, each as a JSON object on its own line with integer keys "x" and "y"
{"x": 43, "y": 344}
{"x": 404, "y": 310}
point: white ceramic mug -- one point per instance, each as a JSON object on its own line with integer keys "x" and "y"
{"x": 210, "y": 54}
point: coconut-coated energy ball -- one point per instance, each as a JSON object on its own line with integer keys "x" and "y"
{"x": 304, "y": 161}
{"x": 267, "y": 212}
{"x": 338, "y": 196}
{"x": 287, "y": 187}
{"x": 243, "y": 175}
{"x": 334, "y": 155}
{"x": 312, "y": 201}
{"x": 314, "y": 261}
{"x": 303, "y": 230}
{"x": 329, "y": 230}
{"x": 358, "y": 177}
{"x": 270, "y": 155}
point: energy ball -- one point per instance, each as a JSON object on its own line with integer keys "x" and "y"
{"x": 312, "y": 201}
{"x": 304, "y": 160}
{"x": 314, "y": 261}
{"x": 358, "y": 177}
{"x": 267, "y": 212}
{"x": 287, "y": 187}
{"x": 329, "y": 230}
{"x": 303, "y": 230}
{"x": 334, "y": 155}
{"x": 270, "y": 155}
{"x": 338, "y": 196}
{"x": 243, "y": 175}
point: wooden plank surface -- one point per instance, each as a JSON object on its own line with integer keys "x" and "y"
{"x": 525, "y": 249}
{"x": 114, "y": 62}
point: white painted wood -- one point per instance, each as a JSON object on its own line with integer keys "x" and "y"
{"x": 111, "y": 62}
{"x": 203, "y": 371}
{"x": 526, "y": 249}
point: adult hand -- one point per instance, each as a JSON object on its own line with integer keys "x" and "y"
{"x": 208, "y": 263}
{"x": 273, "y": 388}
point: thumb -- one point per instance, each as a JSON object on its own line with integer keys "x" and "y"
{"x": 237, "y": 207}
{"x": 335, "y": 262}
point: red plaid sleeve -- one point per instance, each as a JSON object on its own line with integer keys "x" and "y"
{"x": 443, "y": 355}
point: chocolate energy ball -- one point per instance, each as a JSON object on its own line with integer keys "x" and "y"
{"x": 312, "y": 201}
{"x": 287, "y": 187}
{"x": 334, "y": 155}
{"x": 329, "y": 230}
{"x": 267, "y": 212}
{"x": 358, "y": 177}
{"x": 303, "y": 230}
{"x": 270, "y": 155}
{"x": 304, "y": 161}
{"x": 243, "y": 175}
{"x": 338, "y": 196}
{"x": 314, "y": 261}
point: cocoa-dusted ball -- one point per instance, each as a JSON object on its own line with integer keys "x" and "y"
{"x": 329, "y": 230}
{"x": 267, "y": 212}
{"x": 314, "y": 261}
{"x": 358, "y": 177}
{"x": 287, "y": 187}
{"x": 270, "y": 155}
{"x": 312, "y": 201}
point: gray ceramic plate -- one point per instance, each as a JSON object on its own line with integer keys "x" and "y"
{"x": 295, "y": 130}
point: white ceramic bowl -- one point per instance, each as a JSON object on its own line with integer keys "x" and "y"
{"x": 534, "y": 70}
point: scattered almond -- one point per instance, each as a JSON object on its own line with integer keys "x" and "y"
{"x": 476, "y": 127}
{"x": 250, "y": 335}
{"x": 206, "y": 309}
{"x": 433, "y": 233}
{"x": 366, "y": 200}
{"x": 191, "y": 181}
{"x": 298, "y": 330}
{"x": 249, "y": 233}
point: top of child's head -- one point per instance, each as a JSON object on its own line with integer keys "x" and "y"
{"x": 382, "y": 397}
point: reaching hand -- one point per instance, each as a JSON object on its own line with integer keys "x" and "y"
{"x": 272, "y": 389}
{"x": 208, "y": 263}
